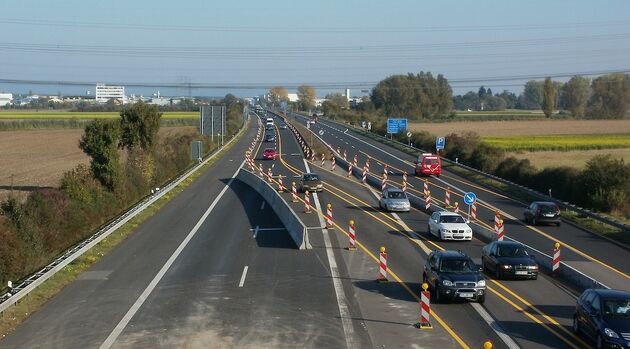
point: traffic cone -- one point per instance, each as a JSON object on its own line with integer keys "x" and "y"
{"x": 425, "y": 308}
{"x": 329, "y": 216}
{"x": 352, "y": 237}
{"x": 294, "y": 196}
{"x": 382, "y": 271}
{"x": 307, "y": 203}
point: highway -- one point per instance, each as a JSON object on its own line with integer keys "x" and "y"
{"x": 215, "y": 267}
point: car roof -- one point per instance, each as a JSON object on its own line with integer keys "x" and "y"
{"x": 448, "y": 213}
{"x": 545, "y": 203}
{"x": 508, "y": 243}
{"x": 393, "y": 190}
{"x": 269, "y": 149}
{"x": 611, "y": 293}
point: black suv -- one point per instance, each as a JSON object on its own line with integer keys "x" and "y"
{"x": 453, "y": 275}
{"x": 542, "y": 212}
{"x": 604, "y": 316}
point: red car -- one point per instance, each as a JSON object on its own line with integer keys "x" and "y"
{"x": 270, "y": 154}
{"x": 428, "y": 164}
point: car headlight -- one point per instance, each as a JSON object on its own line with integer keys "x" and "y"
{"x": 506, "y": 266}
{"x": 533, "y": 267}
{"x": 481, "y": 283}
{"x": 610, "y": 333}
{"x": 447, "y": 283}
{"x": 468, "y": 231}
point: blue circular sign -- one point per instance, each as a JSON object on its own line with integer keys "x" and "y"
{"x": 470, "y": 198}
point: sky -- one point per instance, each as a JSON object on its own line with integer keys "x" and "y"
{"x": 244, "y": 47}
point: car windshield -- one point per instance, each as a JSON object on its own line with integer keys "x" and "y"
{"x": 432, "y": 162}
{"x": 396, "y": 195}
{"x": 617, "y": 307}
{"x": 311, "y": 177}
{"x": 269, "y": 150}
{"x": 548, "y": 209}
{"x": 451, "y": 219}
{"x": 511, "y": 251}
{"x": 457, "y": 266}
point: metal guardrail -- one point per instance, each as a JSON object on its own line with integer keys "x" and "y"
{"x": 563, "y": 204}
{"x": 30, "y": 283}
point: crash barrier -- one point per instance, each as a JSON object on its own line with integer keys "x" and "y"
{"x": 288, "y": 217}
{"x": 570, "y": 275}
{"x": 562, "y": 204}
{"x": 23, "y": 288}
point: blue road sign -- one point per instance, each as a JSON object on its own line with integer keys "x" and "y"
{"x": 439, "y": 143}
{"x": 396, "y": 125}
{"x": 470, "y": 198}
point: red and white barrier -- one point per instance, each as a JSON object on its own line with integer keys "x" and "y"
{"x": 313, "y": 155}
{"x": 556, "y": 258}
{"x": 352, "y": 237}
{"x": 280, "y": 185}
{"x": 364, "y": 179}
{"x": 270, "y": 176}
{"x": 332, "y": 167}
{"x": 355, "y": 161}
{"x": 294, "y": 196}
{"x": 349, "y": 170}
{"x": 307, "y": 203}
{"x": 404, "y": 182}
{"x": 426, "y": 187}
{"x": 456, "y": 209}
{"x": 323, "y": 160}
{"x": 425, "y": 308}
{"x": 473, "y": 212}
{"x": 367, "y": 164}
{"x": 501, "y": 231}
{"x": 497, "y": 220}
{"x": 345, "y": 155}
{"x": 329, "y": 216}
{"x": 447, "y": 197}
{"x": 384, "y": 182}
{"x": 260, "y": 170}
{"x": 382, "y": 270}
{"x": 427, "y": 201}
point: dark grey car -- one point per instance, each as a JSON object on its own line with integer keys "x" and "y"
{"x": 539, "y": 212}
{"x": 508, "y": 259}
{"x": 452, "y": 275}
{"x": 311, "y": 182}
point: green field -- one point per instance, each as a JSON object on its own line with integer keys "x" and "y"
{"x": 66, "y": 115}
{"x": 560, "y": 142}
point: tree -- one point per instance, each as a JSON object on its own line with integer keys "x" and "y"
{"x": 532, "y": 95}
{"x": 99, "y": 142}
{"x": 413, "y": 96}
{"x": 575, "y": 94}
{"x": 334, "y": 103}
{"x": 549, "y": 97}
{"x": 278, "y": 94}
{"x": 611, "y": 96}
{"x": 139, "y": 125}
{"x": 509, "y": 97}
{"x": 482, "y": 92}
{"x": 306, "y": 97}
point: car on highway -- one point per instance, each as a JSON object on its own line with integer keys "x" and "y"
{"x": 311, "y": 182}
{"x": 452, "y": 275}
{"x": 270, "y": 138}
{"x": 283, "y": 126}
{"x": 508, "y": 259}
{"x": 394, "y": 199}
{"x": 270, "y": 154}
{"x": 449, "y": 226}
{"x": 541, "y": 212}
{"x": 428, "y": 164}
{"x": 604, "y": 316}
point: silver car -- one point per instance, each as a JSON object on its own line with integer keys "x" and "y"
{"x": 394, "y": 199}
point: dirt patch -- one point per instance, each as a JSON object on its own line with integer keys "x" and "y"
{"x": 38, "y": 158}
{"x": 575, "y": 159}
{"x": 523, "y": 128}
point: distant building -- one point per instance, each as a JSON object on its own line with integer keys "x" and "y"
{"x": 106, "y": 92}
{"x": 348, "y": 94}
{"x": 6, "y": 99}
{"x": 293, "y": 97}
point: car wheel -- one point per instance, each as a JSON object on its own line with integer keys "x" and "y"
{"x": 429, "y": 230}
{"x": 535, "y": 277}
{"x": 441, "y": 235}
{"x": 599, "y": 343}
{"x": 438, "y": 298}
{"x": 534, "y": 221}
{"x": 576, "y": 326}
{"x": 483, "y": 266}
{"x": 497, "y": 272}
{"x": 481, "y": 299}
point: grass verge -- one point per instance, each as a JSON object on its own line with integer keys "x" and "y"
{"x": 11, "y": 318}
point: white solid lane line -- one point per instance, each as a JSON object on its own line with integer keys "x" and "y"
{"x": 240, "y": 284}
{"x": 342, "y": 303}
{"x": 113, "y": 336}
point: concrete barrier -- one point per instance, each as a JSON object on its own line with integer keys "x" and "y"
{"x": 288, "y": 217}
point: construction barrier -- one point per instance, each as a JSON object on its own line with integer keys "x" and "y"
{"x": 473, "y": 211}
{"x": 456, "y": 207}
{"x": 364, "y": 179}
{"x": 261, "y": 171}
{"x": 426, "y": 187}
{"x": 497, "y": 219}
{"x": 352, "y": 237}
{"x": 487, "y": 345}
{"x": 294, "y": 196}
{"x": 270, "y": 176}
{"x": 447, "y": 197}
{"x": 501, "y": 231}
{"x": 329, "y": 216}
{"x": 332, "y": 159}
{"x": 425, "y": 308}
{"x": 323, "y": 160}
{"x": 307, "y": 203}
{"x": 382, "y": 270}
{"x": 349, "y": 170}
{"x": 427, "y": 201}
{"x": 280, "y": 186}
{"x": 556, "y": 258}
{"x": 355, "y": 161}
{"x": 404, "y": 182}
{"x": 384, "y": 182}
{"x": 345, "y": 155}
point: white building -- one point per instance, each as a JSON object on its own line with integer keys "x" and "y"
{"x": 107, "y": 92}
{"x": 6, "y": 99}
{"x": 293, "y": 97}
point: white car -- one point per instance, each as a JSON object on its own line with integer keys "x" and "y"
{"x": 449, "y": 226}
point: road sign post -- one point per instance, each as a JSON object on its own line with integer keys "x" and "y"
{"x": 469, "y": 199}
{"x": 396, "y": 125}
{"x": 409, "y": 137}
{"x": 440, "y": 142}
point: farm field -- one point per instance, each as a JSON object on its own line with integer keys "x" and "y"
{"x": 38, "y": 158}
{"x": 66, "y": 115}
{"x": 526, "y": 127}
{"x": 560, "y": 142}
{"x": 577, "y": 158}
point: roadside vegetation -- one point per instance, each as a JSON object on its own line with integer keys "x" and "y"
{"x": 53, "y": 219}
{"x": 559, "y": 142}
